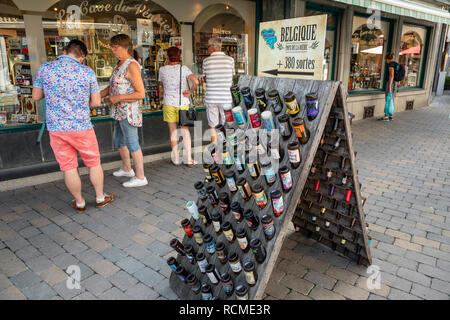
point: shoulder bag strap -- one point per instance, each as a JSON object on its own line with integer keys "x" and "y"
{"x": 181, "y": 67}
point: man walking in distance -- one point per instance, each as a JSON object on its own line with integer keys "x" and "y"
{"x": 70, "y": 88}
{"x": 218, "y": 70}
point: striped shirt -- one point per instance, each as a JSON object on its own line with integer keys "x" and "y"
{"x": 219, "y": 70}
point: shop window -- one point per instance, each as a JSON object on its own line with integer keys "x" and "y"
{"x": 369, "y": 47}
{"x": 224, "y": 22}
{"x": 152, "y": 29}
{"x": 330, "y": 40}
{"x": 16, "y": 105}
{"x": 411, "y": 55}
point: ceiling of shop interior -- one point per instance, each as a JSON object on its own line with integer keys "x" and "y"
{"x": 225, "y": 21}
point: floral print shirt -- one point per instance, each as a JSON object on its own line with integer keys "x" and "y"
{"x": 120, "y": 84}
{"x": 67, "y": 86}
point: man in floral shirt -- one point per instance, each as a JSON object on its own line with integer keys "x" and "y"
{"x": 70, "y": 88}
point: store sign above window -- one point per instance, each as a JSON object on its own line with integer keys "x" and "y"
{"x": 71, "y": 17}
{"x": 292, "y": 48}
{"x": 9, "y": 19}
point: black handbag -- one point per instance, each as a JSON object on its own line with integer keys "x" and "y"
{"x": 186, "y": 118}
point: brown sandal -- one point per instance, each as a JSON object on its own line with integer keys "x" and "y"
{"x": 108, "y": 199}
{"x": 74, "y": 205}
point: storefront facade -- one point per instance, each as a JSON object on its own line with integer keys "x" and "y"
{"x": 358, "y": 40}
{"x": 34, "y": 32}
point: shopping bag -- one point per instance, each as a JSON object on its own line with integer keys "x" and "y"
{"x": 389, "y": 106}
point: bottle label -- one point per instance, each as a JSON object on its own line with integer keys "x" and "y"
{"x": 232, "y": 138}
{"x": 299, "y": 130}
{"x": 250, "y": 277}
{"x": 275, "y": 153}
{"x": 202, "y": 265}
{"x": 229, "y": 235}
{"x": 270, "y": 175}
{"x": 275, "y": 104}
{"x": 221, "y": 255}
{"x": 207, "y": 296}
{"x": 188, "y": 230}
{"x": 255, "y": 120}
{"x": 216, "y": 225}
{"x": 202, "y": 193}
{"x": 241, "y": 190}
{"x": 239, "y": 117}
{"x": 261, "y": 199}
{"x": 220, "y": 136}
{"x": 251, "y": 170}
{"x": 248, "y": 100}
{"x": 231, "y": 184}
{"x": 198, "y": 238}
{"x": 312, "y": 108}
{"x": 212, "y": 199}
{"x": 268, "y": 124}
{"x": 216, "y": 158}
{"x": 210, "y": 247}
{"x": 224, "y": 206}
{"x": 284, "y": 129}
{"x": 286, "y": 180}
{"x": 228, "y": 287}
{"x": 292, "y": 107}
{"x": 243, "y": 243}
{"x": 229, "y": 116}
{"x": 261, "y": 104}
{"x": 212, "y": 277}
{"x": 239, "y": 164}
{"x": 190, "y": 258}
{"x": 217, "y": 177}
{"x": 236, "y": 266}
{"x": 269, "y": 228}
{"x": 205, "y": 220}
{"x": 173, "y": 267}
{"x": 227, "y": 159}
{"x": 278, "y": 206}
{"x": 207, "y": 173}
{"x": 294, "y": 156}
{"x": 237, "y": 215}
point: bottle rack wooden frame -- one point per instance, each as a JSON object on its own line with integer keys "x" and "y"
{"x": 330, "y": 95}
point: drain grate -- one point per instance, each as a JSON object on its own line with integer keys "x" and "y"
{"x": 368, "y": 112}
{"x": 409, "y": 105}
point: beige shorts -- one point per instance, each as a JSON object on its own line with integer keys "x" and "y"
{"x": 215, "y": 114}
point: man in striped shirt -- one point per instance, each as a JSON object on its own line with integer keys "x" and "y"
{"x": 218, "y": 69}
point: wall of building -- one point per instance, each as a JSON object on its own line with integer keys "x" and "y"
{"x": 284, "y": 9}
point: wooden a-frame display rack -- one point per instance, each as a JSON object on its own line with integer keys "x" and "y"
{"x": 345, "y": 218}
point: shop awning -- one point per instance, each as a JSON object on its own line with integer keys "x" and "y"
{"x": 404, "y": 8}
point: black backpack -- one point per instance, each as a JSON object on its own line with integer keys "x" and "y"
{"x": 399, "y": 72}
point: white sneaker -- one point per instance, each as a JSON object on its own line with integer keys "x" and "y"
{"x": 135, "y": 182}
{"x": 121, "y": 173}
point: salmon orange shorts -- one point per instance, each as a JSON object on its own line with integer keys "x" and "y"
{"x": 65, "y": 146}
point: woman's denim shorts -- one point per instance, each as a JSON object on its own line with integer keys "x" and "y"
{"x": 126, "y": 135}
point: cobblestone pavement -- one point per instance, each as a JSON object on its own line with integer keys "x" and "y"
{"x": 404, "y": 168}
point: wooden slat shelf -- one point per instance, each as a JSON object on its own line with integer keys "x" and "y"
{"x": 343, "y": 223}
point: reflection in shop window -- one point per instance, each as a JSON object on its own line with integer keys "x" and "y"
{"x": 330, "y": 42}
{"x": 16, "y": 105}
{"x": 152, "y": 29}
{"x": 411, "y": 54}
{"x": 367, "y": 55}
